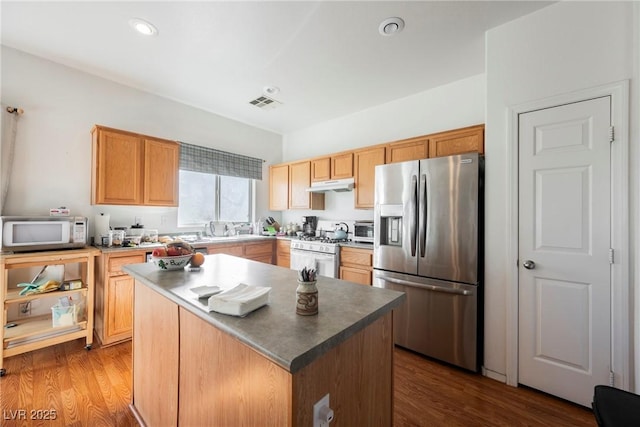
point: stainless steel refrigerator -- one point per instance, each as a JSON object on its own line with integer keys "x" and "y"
{"x": 427, "y": 243}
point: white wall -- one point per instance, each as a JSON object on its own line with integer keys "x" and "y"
{"x": 450, "y": 106}
{"x": 53, "y": 147}
{"x": 563, "y": 48}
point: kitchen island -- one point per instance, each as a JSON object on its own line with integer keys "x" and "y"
{"x": 193, "y": 367}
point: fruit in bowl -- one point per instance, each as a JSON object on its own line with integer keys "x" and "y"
{"x": 171, "y": 262}
{"x": 174, "y": 256}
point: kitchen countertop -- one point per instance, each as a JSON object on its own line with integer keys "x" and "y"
{"x": 197, "y": 244}
{"x": 275, "y": 330}
{"x": 222, "y": 240}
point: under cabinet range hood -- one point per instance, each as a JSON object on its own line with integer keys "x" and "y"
{"x": 332, "y": 185}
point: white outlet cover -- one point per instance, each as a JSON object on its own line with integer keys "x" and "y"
{"x": 316, "y": 411}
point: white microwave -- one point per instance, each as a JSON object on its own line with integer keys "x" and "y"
{"x": 40, "y": 233}
{"x": 363, "y": 231}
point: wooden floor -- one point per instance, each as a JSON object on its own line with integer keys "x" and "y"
{"x": 93, "y": 388}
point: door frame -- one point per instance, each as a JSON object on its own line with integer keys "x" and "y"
{"x": 620, "y": 284}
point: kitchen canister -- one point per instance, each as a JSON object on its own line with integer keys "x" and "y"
{"x": 306, "y": 298}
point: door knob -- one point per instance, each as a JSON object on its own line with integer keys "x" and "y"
{"x": 529, "y": 265}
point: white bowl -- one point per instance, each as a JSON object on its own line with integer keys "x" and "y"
{"x": 171, "y": 262}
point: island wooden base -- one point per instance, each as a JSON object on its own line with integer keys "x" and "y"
{"x": 187, "y": 372}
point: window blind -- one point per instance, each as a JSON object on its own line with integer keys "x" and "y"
{"x": 208, "y": 160}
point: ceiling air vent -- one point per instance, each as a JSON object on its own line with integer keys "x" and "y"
{"x": 265, "y": 102}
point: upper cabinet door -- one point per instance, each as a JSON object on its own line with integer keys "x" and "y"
{"x": 465, "y": 140}
{"x": 279, "y": 187}
{"x": 299, "y": 181}
{"x": 335, "y": 167}
{"x": 117, "y": 169}
{"x": 342, "y": 166}
{"x": 365, "y": 173}
{"x": 408, "y": 149}
{"x": 133, "y": 169}
{"x": 161, "y": 164}
{"x": 321, "y": 169}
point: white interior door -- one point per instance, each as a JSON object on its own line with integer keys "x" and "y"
{"x": 564, "y": 329}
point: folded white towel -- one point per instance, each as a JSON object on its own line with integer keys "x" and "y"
{"x": 239, "y": 300}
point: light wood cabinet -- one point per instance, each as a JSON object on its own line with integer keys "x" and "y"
{"x": 39, "y": 331}
{"x": 234, "y": 249}
{"x": 189, "y": 385}
{"x": 356, "y": 265}
{"x": 279, "y": 187}
{"x": 114, "y": 296}
{"x": 408, "y": 149}
{"x": 283, "y": 253}
{"x": 291, "y": 179}
{"x": 338, "y": 166}
{"x": 321, "y": 169}
{"x": 257, "y": 251}
{"x": 161, "y": 169}
{"x": 133, "y": 169}
{"x": 458, "y": 141}
{"x": 156, "y": 358}
{"x": 299, "y": 181}
{"x": 342, "y": 166}
{"x": 365, "y": 162}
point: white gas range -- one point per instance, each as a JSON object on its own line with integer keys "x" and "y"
{"x": 321, "y": 253}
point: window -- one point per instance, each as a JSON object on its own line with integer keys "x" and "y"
{"x": 208, "y": 197}
{"x": 215, "y": 185}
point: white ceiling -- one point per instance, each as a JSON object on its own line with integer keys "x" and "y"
{"x": 327, "y": 58}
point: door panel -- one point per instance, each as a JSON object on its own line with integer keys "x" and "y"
{"x": 395, "y": 214}
{"x": 565, "y": 323}
{"x": 450, "y": 216}
{"x": 439, "y": 319}
{"x": 563, "y": 215}
{"x": 564, "y": 228}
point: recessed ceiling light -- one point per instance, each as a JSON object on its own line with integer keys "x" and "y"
{"x": 391, "y": 26}
{"x": 143, "y": 27}
{"x": 271, "y": 90}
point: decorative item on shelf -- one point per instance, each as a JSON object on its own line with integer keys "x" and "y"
{"x": 307, "y": 292}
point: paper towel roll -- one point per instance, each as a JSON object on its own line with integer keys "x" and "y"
{"x": 102, "y": 225}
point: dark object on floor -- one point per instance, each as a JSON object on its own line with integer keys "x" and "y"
{"x": 613, "y": 407}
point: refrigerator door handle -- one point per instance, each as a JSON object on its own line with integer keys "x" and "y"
{"x": 423, "y": 214}
{"x": 433, "y": 288}
{"x": 412, "y": 209}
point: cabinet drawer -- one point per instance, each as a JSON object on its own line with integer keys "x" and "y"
{"x": 355, "y": 256}
{"x": 266, "y": 258}
{"x": 116, "y": 263}
{"x": 255, "y": 249}
{"x": 283, "y": 247}
{"x": 235, "y": 250}
{"x": 356, "y": 275}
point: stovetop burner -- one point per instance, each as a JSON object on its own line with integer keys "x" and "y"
{"x": 322, "y": 239}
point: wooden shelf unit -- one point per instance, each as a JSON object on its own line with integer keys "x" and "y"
{"x": 35, "y": 332}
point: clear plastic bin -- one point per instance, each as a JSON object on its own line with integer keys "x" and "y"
{"x": 64, "y": 316}
{"x": 150, "y": 236}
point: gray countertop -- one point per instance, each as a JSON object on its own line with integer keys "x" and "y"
{"x": 275, "y": 330}
{"x": 199, "y": 244}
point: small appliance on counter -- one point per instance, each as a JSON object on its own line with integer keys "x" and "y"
{"x": 40, "y": 233}
{"x": 363, "y": 231}
{"x": 309, "y": 225}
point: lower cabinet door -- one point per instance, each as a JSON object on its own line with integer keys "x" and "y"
{"x": 355, "y": 275}
{"x": 120, "y": 317}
